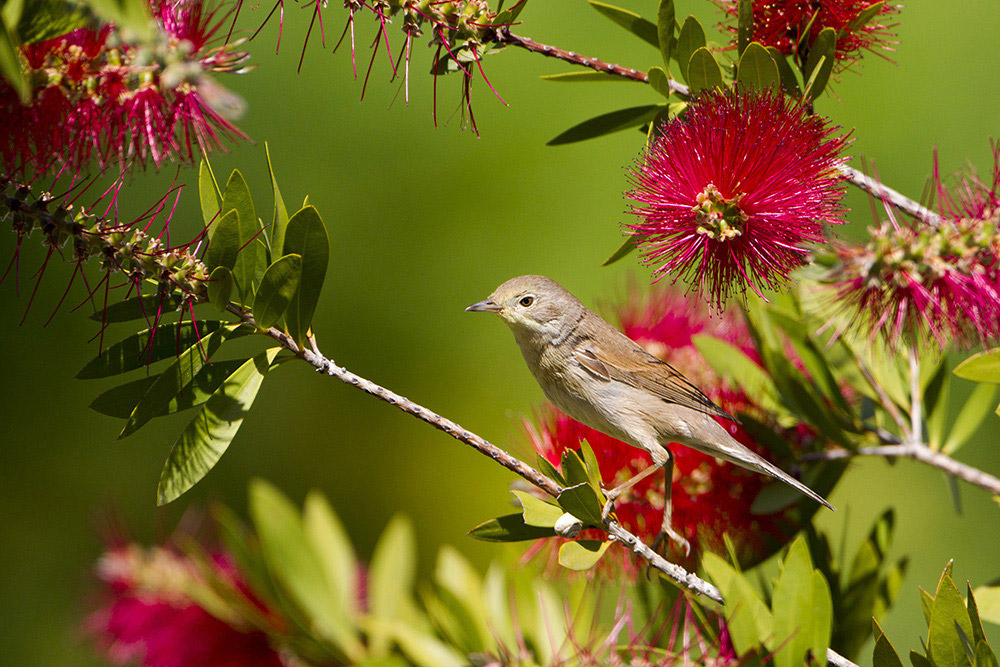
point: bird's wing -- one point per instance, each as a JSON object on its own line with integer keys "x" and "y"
{"x": 638, "y": 368}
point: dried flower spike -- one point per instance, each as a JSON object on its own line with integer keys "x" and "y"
{"x": 731, "y": 192}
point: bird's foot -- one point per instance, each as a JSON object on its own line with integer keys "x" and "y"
{"x": 662, "y": 541}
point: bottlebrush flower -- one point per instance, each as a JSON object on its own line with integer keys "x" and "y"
{"x": 160, "y": 612}
{"x": 732, "y": 191}
{"x": 97, "y": 96}
{"x": 791, "y": 25}
{"x": 710, "y": 497}
{"x": 913, "y": 280}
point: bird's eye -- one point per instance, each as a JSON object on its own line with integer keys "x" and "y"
{"x": 527, "y": 301}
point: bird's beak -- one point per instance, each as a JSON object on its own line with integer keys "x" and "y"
{"x": 483, "y": 307}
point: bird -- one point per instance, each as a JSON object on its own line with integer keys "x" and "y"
{"x": 594, "y": 373}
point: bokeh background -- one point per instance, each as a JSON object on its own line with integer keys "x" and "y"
{"x": 424, "y": 221}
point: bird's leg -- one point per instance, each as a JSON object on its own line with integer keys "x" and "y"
{"x": 665, "y": 529}
{"x": 613, "y": 494}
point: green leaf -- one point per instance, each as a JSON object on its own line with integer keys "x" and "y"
{"x": 631, "y": 21}
{"x": 918, "y": 660}
{"x": 458, "y": 580}
{"x": 224, "y": 246}
{"x": 10, "y": 62}
{"x": 978, "y": 634}
{"x": 174, "y": 378}
{"x": 580, "y": 77}
{"x": 306, "y": 236}
{"x": 659, "y": 81}
{"x": 733, "y": 364}
{"x": 865, "y": 15}
{"x": 749, "y": 620}
{"x": 333, "y": 549}
{"x": 703, "y": 71}
{"x": 130, "y": 14}
{"x": 220, "y": 287}
{"x": 277, "y": 288}
{"x": 252, "y": 258}
{"x": 802, "y": 608}
{"x": 509, "y": 528}
{"x": 981, "y": 367}
{"x": 289, "y": 556}
{"x": 820, "y": 62}
{"x": 935, "y": 404}
{"x": 207, "y": 189}
{"x": 988, "y": 603}
{"x": 573, "y": 469}
{"x": 608, "y": 123}
{"x": 205, "y": 439}
{"x": 974, "y": 412}
{"x": 536, "y": 511}
{"x": 137, "y": 308}
{"x": 132, "y": 352}
{"x": 390, "y": 580}
{"x": 121, "y": 400}
{"x": 744, "y": 32}
{"x": 46, "y": 19}
{"x": 279, "y": 219}
{"x": 788, "y": 81}
{"x": 582, "y": 502}
{"x": 885, "y": 654}
{"x": 944, "y": 644}
{"x": 690, "y": 39}
{"x": 582, "y": 555}
{"x": 985, "y": 656}
{"x": 665, "y": 23}
{"x": 757, "y": 70}
{"x": 625, "y": 249}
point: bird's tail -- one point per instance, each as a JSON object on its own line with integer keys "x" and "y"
{"x": 734, "y": 452}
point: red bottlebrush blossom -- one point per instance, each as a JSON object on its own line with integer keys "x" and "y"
{"x": 913, "y": 280}
{"x": 733, "y": 190}
{"x": 98, "y": 97}
{"x": 157, "y": 614}
{"x": 791, "y": 25}
{"x": 710, "y": 497}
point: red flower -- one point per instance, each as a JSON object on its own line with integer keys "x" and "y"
{"x": 913, "y": 280}
{"x": 791, "y": 25}
{"x": 98, "y": 97}
{"x": 732, "y": 191}
{"x": 711, "y": 498}
{"x": 155, "y": 614}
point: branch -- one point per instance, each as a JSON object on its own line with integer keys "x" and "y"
{"x": 870, "y": 185}
{"x": 918, "y": 452}
{"x": 322, "y": 364}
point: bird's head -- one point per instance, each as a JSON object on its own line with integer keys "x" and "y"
{"x": 534, "y": 307}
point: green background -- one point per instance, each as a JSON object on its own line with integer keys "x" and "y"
{"x": 423, "y": 222}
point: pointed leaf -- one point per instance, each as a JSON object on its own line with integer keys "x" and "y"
{"x": 47, "y": 19}
{"x": 885, "y": 654}
{"x": 690, "y": 39}
{"x": 981, "y": 367}
{"x": 788, "y": 81}
{"x": 206, "y": 438}
{"x": 747, "y": 617}
{"x": 171, "y": 382}
{"x": 306, "y": 236}
{"x": 744, "y": 30}
{"x": 866, "y": 15}
{"x": 390, "y": 580}
{"x": 277, "y": 288}
{"x": 985, "y": 656}
{"x": 252, "y": 258}
{"x": 207, "y": 189}
{"x": 132, "y": 352}
{"x": 581, "y": 77}
{"x": 665, "y": 23}
{"x": 918, "y": 660}
{"x": 988, "y": 603}
{"x": 220, "y": 287}
{"x": 733, "y": 364}
{"x": 279, "y": 219}
{"x": 536, "y": 511}
{"x": 820, "y": 62}
{"x": 936, "y": 404}
{"x": 631, "y": 21}
{"x": 974, "y": 412}
{"x": 509, "y": 528}
{"x": 944, "y": 644}
{"x": 978, "y": 634}
{"x": 659, "y": 81}
{"x": 137, "y": 308}
{"x": 582, "y": 555}
{"x": 802, "y": 609}
{"x": 10, "y": 63}
{"x": 582, "y": 502}
{"x": 225, "y": 244}
{"x": 625, "y": 249}
{"x": 292, "y": 560}
{"x": 333, "y": 548}
{"x": 607, "y": 123}
{"x": 703, "y": 71}
{"x": 757, "y": 70}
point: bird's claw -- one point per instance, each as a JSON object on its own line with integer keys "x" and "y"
{"x": 609, "y": 506}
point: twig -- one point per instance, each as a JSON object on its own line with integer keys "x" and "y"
{"x": 852, "y": 175}
{"x": 915, "y": 399}
{"x": 918, "y": 452}
{"x": 316, "y": 359}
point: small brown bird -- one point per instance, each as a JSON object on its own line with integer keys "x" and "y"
{"x": 600, "y": 377}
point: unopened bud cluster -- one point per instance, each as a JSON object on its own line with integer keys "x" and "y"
{"x": 718, "y": 218}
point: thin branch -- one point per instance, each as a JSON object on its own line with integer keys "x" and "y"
{"x": 852, "y": 175}
{"x": 322, "y": 364}
{"x": 918, "y": 452}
